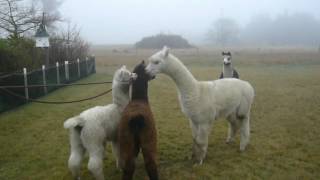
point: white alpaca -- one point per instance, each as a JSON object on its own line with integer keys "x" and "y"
{"x": 90, "y": 130}
{"x": 204, "y": 101}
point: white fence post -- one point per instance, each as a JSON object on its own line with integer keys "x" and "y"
{"x": 58, "y": 72}
{"x": 25, "y": 83}
{"x": 87, "y": 65}
{"x": 78, "y": 61}
{"x": 44, "y": 79}
{"x": 66, "y": 68}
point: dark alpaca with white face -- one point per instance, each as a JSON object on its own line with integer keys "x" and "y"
{"x": 228, "y": 71}
{"x": 137, "y": 129}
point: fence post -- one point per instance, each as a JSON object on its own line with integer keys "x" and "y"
{"x": 66, "y": 68}
{"x": 93, "y": 61}
{"x": 58, "y": 73}
{"x": 87, "y": 66}
{"x": 78, "y": 61}
{"x": 25, "y": 83}
{"x": 44, "y": 79}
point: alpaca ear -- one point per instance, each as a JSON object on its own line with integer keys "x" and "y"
{"x": 165, "y": 51}
{"x": 222, "y": 53}
{"x": 142, "y": 62}
{"x": 123, "y": 67}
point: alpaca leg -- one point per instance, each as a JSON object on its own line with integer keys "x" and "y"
{"x": 128, "y": 165}
{"x": 201, "y": 142}
{"x": 233, "y": 128}
{"x": 128, "y": 170}
{"x": 244, "y": 132}
{"x": 150, "y": 163}
{"x": 127, "y": 154}
{"x": 194, "y": 130}
{"x": 148, "y": 140}
{"x": 116, "y": 152}
{"x": 95, "y": 164}
{"x": 77, "y": 152}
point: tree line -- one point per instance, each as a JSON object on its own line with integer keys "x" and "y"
{"x": 299, "y": 29}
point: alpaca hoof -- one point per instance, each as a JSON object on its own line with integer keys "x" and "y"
{"x": 197, "y": 163}
{"x": 229, "y": 140}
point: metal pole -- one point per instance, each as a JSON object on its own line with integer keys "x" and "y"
{"x": 58, "y": 73}
{"x": 25, "y": 83}
{"x": 78, "y": 61}
{"x": 44, "y": 79}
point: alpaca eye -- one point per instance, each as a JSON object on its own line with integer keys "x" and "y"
{"x": 156, "y": 62}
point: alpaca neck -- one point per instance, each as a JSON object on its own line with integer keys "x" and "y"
{"x": 227, "y": 70}
{"x": 139, "y": 90}
{"x": 120, "y": 94}
{"x": 183, "y": 78}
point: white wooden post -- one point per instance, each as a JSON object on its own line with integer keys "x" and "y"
{"x": 78, "y": 61}
{"x": 87, "y": 65}
{"x": 66, "y": 68}
{"x": 25, "y": 83}
{"x": 44, "y": 79}
{"x": 58, "y": 72}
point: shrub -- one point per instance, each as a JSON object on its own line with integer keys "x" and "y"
{"x": 18, "y": 53}
{"x": 160, "y": 40}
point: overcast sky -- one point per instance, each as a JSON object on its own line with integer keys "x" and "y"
{"x": 127, "y": 21}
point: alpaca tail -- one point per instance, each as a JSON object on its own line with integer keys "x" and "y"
{"x": 73, "y": 122}
{"x": 136, "y": 124}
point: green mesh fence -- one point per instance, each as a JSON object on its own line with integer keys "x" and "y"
{"x": 7, "y": 101}
{"x": 51, "y": 78}
{"x": 35, "y": 78}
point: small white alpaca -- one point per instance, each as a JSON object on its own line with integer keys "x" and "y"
{"x": 204, "y": 101}
{"x": 90, "y": 130}
{"x": 228, "y": 71}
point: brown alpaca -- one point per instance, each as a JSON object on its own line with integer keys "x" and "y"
{"x": 137, "y": 129}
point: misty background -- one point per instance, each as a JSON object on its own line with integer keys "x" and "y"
{"x": 255, "y": 21}
{"x": 205, "y": 22}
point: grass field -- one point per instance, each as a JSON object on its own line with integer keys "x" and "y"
{"x": 285, "y": 122}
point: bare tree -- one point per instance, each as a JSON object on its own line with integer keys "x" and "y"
{"x": 68, "y": 45}
{"x": 223, "y": 31}
{"x": 16, "y": 18}
{"x": 300, "y": 29}
{"x": 50, "y": 8}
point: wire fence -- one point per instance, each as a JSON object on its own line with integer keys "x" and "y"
{"x": 59, "y": 74}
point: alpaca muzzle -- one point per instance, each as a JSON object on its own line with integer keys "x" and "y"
{"x": 133, "y": 77}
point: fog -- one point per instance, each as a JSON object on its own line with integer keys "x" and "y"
{"x": 127, "y": 21}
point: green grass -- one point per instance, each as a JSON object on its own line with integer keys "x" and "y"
{"x": 285, "y": 123}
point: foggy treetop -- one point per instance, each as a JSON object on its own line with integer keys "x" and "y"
{"x": 127, "y": 21}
